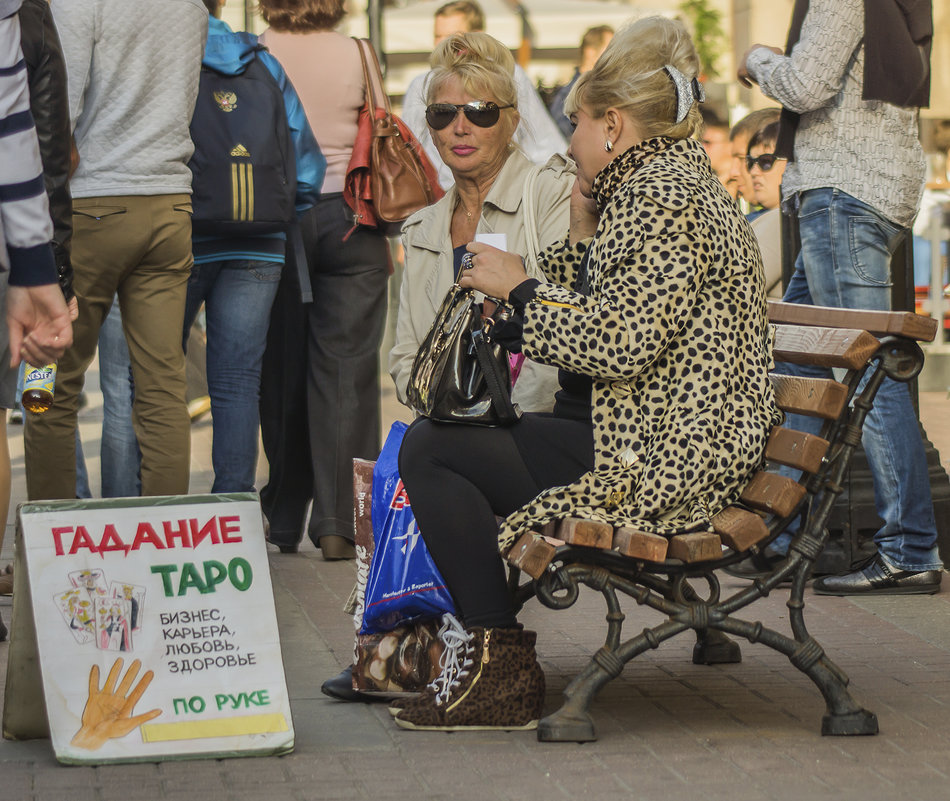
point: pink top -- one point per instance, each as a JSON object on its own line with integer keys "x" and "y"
{"x": 325, "y": 69}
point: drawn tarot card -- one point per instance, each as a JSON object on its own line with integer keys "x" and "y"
{"x": 78, "y": 612}
{"x": 113, "y": 627}
{"x": 136, "y": 595}
{"x": 93, "y": 580}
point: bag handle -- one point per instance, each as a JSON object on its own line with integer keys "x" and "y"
{"x": 376, "y": 96}
{"x": 530, "y": 217}
{"x": 494, "y": 380}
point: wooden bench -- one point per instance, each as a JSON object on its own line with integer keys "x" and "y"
{"x": 655, "y": 570}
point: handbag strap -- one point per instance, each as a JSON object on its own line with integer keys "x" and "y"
{"x": 494, "y": 380}
{"x": 530, "y": 217}
{"x": 376, "y": 96}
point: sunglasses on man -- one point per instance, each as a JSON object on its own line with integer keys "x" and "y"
{"x": 482, "y": 113}
{"x": 765, "y": 162}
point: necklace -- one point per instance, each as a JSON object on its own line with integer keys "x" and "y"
{"x": 461, "y": 205}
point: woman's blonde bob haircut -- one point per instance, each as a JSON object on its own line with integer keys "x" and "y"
{"x": 484, "y": 67}
{"x": 629, "y": 76}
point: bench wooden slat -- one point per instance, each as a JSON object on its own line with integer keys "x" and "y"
{"x": 824, "y": 347}
{"x": 738, "y": 528}
{"x": 532, "y": 555}
{"x": 796, "y": 449}
{"x": 700, "y": 546}
{"x": 772, "y": 493}
{"x": 587, "y": 533}
{"x": 640, "y": 544}
{"x": 817, "y": 397}
{"x": 879, "y": 323}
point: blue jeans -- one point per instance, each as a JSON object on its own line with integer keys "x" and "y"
{"x": 238, "y": 296}
{"x": 119, "y": 454}
{"x": 845, "y": 262}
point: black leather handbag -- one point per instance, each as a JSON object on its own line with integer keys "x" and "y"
{"x": 459, "y": 374}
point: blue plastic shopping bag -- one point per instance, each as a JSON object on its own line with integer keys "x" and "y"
{"x": 403, "y": 584}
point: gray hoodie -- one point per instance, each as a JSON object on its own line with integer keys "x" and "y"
{"x": 133, "y": 68}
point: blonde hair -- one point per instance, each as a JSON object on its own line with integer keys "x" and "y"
{"x": 629, "y": 76}
{"x": 484, "y": 67}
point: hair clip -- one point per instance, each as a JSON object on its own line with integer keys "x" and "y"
{"x": 686, "y": 91}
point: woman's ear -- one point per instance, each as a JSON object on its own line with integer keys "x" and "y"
{"x": 613, "y": 124}
{"x": 618, "y": 127}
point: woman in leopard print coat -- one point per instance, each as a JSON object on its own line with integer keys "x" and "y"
{"x": 656, "y": 317}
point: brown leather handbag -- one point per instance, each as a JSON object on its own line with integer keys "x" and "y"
{"x": 389, "y": 175}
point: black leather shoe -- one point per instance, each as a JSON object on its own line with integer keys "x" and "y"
{"x": 877, "y": 577}
{"x": 341, "y": 688}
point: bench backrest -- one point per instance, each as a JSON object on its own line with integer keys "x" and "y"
{"x": 805, "y": 335}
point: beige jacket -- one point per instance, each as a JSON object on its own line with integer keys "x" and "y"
{"x": 429, "y": 265}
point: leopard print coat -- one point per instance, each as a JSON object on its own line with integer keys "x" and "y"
{"x": 675, "y": 336}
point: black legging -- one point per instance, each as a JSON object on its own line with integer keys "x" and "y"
{"x": 459, "y": 477}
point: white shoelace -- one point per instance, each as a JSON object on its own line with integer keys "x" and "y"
{"x": 455, "y": 663}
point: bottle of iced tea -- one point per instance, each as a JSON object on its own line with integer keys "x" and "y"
{"x": 38, "y": 386}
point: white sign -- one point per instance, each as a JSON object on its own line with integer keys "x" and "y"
{"x": 156, "y": 628}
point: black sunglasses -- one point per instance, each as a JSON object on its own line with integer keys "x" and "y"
{"x": 766, "y": 161}
{"x": 482, "y": 113}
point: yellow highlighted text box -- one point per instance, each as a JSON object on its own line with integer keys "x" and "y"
{"x": 215, "y": 727}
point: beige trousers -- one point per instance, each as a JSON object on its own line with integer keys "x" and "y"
{"x": 138, "y": 247}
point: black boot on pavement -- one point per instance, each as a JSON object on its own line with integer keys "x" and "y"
{"x": 341, "y": 688}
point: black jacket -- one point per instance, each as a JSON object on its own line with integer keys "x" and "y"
{"x": 49, "y": 104}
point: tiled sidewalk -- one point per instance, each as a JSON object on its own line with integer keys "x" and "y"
{"x": 668, "y": 729}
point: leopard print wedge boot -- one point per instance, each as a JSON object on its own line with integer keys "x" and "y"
{"x": 496, "y": 683}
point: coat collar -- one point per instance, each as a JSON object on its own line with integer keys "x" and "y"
{"x": 650, "y": 168}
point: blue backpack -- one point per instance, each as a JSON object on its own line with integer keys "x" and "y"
{"x": 244, "y": 176}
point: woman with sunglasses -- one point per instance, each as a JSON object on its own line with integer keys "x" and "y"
{"x": 472, "y": 116}
{"x": 765, "y": 173}
{"x": 656, "y": 318}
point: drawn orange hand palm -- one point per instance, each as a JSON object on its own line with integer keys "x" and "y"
{"x": 108, "y": 712}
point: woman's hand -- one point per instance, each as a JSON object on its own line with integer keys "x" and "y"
{"x": 584, "y": 216}
{"x": 490, "y": 270}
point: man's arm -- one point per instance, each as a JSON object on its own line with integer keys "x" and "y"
{"x": 36, "y": 312}
{"x": 808, "y": 78}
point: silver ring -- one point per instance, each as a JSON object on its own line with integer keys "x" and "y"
{"x": 467, "y": 261}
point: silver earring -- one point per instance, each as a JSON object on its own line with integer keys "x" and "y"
{"x": 608, "y": 146}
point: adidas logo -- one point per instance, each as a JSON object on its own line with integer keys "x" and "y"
{"x": 240, "y": 150}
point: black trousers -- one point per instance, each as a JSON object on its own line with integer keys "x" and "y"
{"x": 459, "y": 477}
{"x": 320, "y": 383}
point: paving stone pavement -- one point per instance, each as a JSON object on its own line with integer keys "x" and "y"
{"x": 668, "y": 729}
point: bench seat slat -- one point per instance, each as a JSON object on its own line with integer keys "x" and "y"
{"x": 738, "y": 528}
{"x": 796, "y": 449}
{"x": 587, "y": 533}
{"x": 824, "y": 347}
{"x": 640, "y": 544}
{"x": 879, "y": 323}
{"x": 531, "y": 554}
{"x": 816, "y": 397}
{"x": 699, "y": 546}
{"x": 772, "y": 493}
